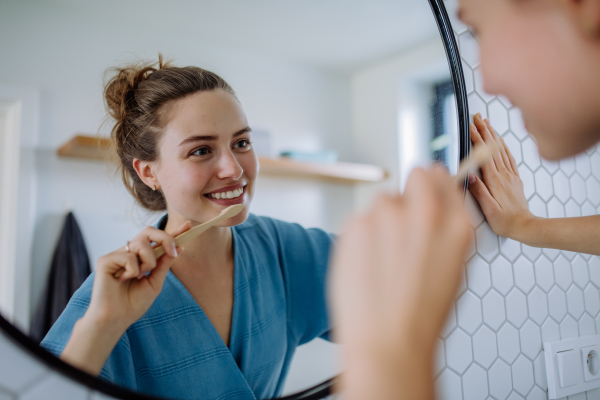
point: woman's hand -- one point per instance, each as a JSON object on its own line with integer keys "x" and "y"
{"x": 122, "y": 301}
{"x": 395, "y": 273}
{"x": 500, "y": 194}
{"x": 117, "y": 303}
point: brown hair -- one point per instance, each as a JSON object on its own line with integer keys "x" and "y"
{"x": 138, "y": 97}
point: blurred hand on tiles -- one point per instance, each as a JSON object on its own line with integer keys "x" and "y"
{"x": 395, "y": 273}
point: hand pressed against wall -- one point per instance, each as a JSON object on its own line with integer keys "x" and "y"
{"x": 500, "y": 194}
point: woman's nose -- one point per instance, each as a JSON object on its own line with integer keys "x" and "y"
{"x": 228, "y": 167}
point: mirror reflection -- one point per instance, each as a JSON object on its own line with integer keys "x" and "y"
{"x": 134, "y": 122}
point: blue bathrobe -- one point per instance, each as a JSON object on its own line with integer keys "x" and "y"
{"x": 174, "y": 350}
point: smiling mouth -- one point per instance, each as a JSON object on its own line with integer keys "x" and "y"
{"x": 231, "y": 194}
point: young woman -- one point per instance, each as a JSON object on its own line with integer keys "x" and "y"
{"x": 220, "y": 319}
{"x": 544, "y": 56}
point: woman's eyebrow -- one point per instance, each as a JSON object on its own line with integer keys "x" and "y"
{"x": 198, "y": 138}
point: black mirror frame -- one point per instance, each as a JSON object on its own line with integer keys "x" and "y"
{"x": 323, "y": 389}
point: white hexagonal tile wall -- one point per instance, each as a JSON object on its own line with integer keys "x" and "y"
{"x": 458, "y": 351}
{"x": 538, "y": 207}
{"x": 592, "y": 300}
{"x": 531, "y": 156}
{"x": 538, "y": 305}
{"x": 487, "y": 242}
{"x": 478, "y": 276}
{"x": 516, "y": 123}
{"x": 477, "y": 105}
{"x": 539, "y": 372}
{"x": 580, "y": 272}
{"x": 550, "y": 166}
{"x": 583, "y": 166}
{"x": 475, "y": 384}
{"x": 524, "y": 276}
{"x": 514, "y": 146}
{"x": 469, "y": 49}
{"x": 575, "y": 305}
{"x": 440, "y": 357}
{"x": 448, "y": 386}
{"x": 555, "y": 208}
{"x": 562, "y": 186}
{"x": 522, "y": 372}
{"x": 572, "y": 209}
{"x": 595, "y": 160}
{"x": 500, "y": 380}
{"x": 516, "y": 307}
{"x": 494, "y": 313}
{"x": 544, "y": 273}
{"x": 562, "y": 272}
{"x": 498, "y": 117}
{"x": 568, "y": 328}
{"x": 557, "y": 304}
{"x": 594, "y": 264}
{"x": 468, "y": 310}
{"x": 484, "y": 347}
{"x": 586, "y": 325}
{"x": 508, "y": 343}
{"x": 567, "y": 165}
{"x": 578, "y": 189}
{"x": 550, "y": 331}
{"x": 543, "y": 184}
{"x": 532, "y": 253}
{"x": 531, "y": 339}
{"x": 593, "y": 190}
{"x": 450, "y": 322}
{"x": 528, "y": 180}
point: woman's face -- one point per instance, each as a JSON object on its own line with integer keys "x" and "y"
{"x": 538, "y": 55}
{"x": 206, "y": 161}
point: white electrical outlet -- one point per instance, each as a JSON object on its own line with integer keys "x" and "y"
{"x": 572, "y": 365}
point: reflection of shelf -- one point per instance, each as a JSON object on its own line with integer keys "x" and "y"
{"x": 340, "y": 171}
{"x": 90, "y": 147}
{"x": 97, "y": 148}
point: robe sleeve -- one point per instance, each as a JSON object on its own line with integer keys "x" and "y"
{"x": 119, "y": 368}
{"x": 304, "y": 256}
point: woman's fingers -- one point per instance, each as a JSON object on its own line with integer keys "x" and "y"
{"x": 145, "y": 253}
{"x": 161, "y": 238}
{"x": 501, "y": 148}
{"x": 156, "y": 278}
{"x": 482, "y": 194}
{"x": 488, "y": 138}
{"x": 489, "y": 166}
{"x": 513, "y": 162}
{"x": 116, "y": 261}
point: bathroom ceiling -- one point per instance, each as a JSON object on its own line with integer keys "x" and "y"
{"x": 339, "y": 35}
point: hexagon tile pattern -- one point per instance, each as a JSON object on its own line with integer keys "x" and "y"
{"x": 516, "y": 296}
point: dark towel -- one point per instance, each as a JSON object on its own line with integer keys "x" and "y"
{"x": 70, "y": 267}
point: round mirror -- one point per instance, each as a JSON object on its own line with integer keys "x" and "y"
{"x": 299, "y": 111}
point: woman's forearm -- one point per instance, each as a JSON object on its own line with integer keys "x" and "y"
{"x": 90, "y": 345}
{"x": 579, "y": 234}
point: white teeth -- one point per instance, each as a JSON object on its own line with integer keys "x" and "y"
{"x": 228, "y": 195}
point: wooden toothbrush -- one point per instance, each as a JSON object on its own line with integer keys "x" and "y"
{"x": 186, "y": 236}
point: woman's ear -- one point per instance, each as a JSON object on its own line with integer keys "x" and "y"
{"x": 145, "y": 171}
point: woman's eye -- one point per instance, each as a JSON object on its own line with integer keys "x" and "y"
{"x": 242, "y": 144}
{"x": 202, "y": 151}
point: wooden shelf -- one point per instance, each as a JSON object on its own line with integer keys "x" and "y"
{"x": 97, "y": 148}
